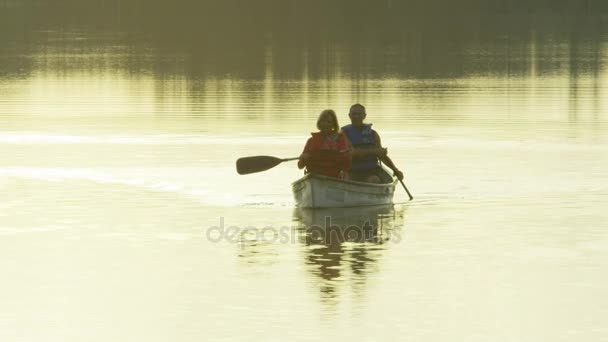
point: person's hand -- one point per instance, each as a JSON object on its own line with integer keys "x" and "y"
{"x": 398, "y": 174}
{"x": 304, "y": 157}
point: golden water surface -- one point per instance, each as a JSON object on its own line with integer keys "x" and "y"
{"x": 122, "y": 217}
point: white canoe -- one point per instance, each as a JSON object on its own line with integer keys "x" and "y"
{"x": 315, "y": 191}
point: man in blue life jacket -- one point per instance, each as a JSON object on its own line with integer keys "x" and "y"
{"x": 367, "y": 150}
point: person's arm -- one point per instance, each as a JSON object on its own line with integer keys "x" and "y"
{"x": 306, "y": 154}
{"x": 362, "y": 152}
{"x": 345, "y": 156}
{"x": 350, "y": 147}
{"x": 385, "y": 158}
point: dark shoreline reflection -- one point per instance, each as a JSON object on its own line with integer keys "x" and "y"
{"x": 319, "y": 40}
{"x": 343, "y": 246}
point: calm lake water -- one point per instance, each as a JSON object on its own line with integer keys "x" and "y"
{"x": 122, "y": 216}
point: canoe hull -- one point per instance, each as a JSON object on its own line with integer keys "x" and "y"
{"x": 315, "y": 191}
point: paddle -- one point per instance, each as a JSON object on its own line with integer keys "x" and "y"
{"x": 402, "y": 184}
{"x": 406, "y": 190}
{"x": 247, "y": 165}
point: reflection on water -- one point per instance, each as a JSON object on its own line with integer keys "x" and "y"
{"x": 344, "y": 246}
{"x": 500, "y": 83}
{"x": 360, "y": 40}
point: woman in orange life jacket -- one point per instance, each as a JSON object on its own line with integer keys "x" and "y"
{"x": 327, "y": 152}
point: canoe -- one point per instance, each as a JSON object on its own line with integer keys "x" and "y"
{"x": 316, "y": 191}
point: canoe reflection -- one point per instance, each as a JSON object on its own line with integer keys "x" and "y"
{"x": 346, "y": 243}
{"x": 337, "y": 225}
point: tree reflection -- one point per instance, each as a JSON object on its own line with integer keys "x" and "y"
{"x": 389, "y": 38}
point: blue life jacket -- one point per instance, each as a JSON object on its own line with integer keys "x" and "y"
{"x": 362, "y": 139}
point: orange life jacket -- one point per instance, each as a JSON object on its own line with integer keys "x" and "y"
{"x": 329, "y": 154}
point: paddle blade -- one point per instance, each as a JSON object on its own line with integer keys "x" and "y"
{"x": 247, "y": 165}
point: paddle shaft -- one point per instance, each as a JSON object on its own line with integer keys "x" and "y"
{"x": 401, "y": 181}
{"x": 406, "y": 190}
